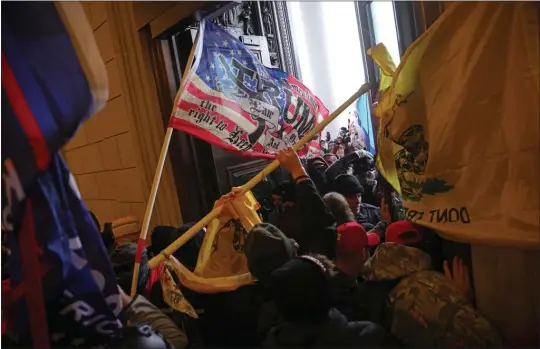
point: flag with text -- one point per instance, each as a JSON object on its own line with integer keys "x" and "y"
{"x": 232, "y": 100}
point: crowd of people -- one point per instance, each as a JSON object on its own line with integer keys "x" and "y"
{"x": 349, "y": 139}
{"x": 336, "y": 266}
{"x": 334, "y": 261}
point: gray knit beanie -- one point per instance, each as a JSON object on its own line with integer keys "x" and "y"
{"x": 267, "y": 249}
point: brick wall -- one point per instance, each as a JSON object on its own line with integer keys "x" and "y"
{"x": 101, "y": 155}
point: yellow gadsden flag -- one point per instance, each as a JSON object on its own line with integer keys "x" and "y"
{"x": 459, "y": 128}
{"x": 222, "y": 265}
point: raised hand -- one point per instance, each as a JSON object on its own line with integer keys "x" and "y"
{"x": 227, "y": 198}
{"x": 385, "y": 212}
{"x": 459, "y": 275}
{"x": 290, "y": 161}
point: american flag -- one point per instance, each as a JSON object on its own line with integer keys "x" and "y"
{"x": 233, "y": 101}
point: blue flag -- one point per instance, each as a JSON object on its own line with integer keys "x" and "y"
{"x": 47, "y": 85}
{"x": 79, "y": 286}
{"x": 364, "y": 122}
{"x": 58, "y": 263}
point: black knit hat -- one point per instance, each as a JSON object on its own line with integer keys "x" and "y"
{"x": 267, "y": 249}
{"x": 348, "y": 185}
{"x": 301, "y": 290}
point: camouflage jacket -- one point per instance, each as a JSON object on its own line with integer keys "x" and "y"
{"x": 425, "y": 307}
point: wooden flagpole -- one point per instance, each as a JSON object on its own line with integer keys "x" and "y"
{"x": 159, "y": 170}
{"x": 163, "y": 255}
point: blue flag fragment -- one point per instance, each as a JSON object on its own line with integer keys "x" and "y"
{"x": 364, "y": 122}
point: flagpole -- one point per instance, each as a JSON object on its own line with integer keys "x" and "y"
{"x": 163, "y": 255}
{"x": 157, "y": 176}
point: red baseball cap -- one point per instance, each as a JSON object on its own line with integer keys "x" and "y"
{"x": 352, "y": 237}
{"x": 403, "y": 232}
{"x": 373, "y": 239}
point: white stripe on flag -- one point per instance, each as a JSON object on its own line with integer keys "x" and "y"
{"x": 222, "y": 109}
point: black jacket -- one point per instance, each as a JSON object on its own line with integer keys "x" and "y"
{"x": 347, "y": 297}
{"x": 229, "y": 319}
{"x": 363, "y": 160}
{"x": 340, "y": 167}
{"x": 334, "y": 331}
{"x": 368, "y": 214}
{"x": 269, "y": 318}
{"x": 318, "y": 234}
{"x": 362, "y": 301}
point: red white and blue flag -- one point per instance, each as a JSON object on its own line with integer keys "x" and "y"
{"x": 63, "y": 288}
{"x": 233, "y": 101}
